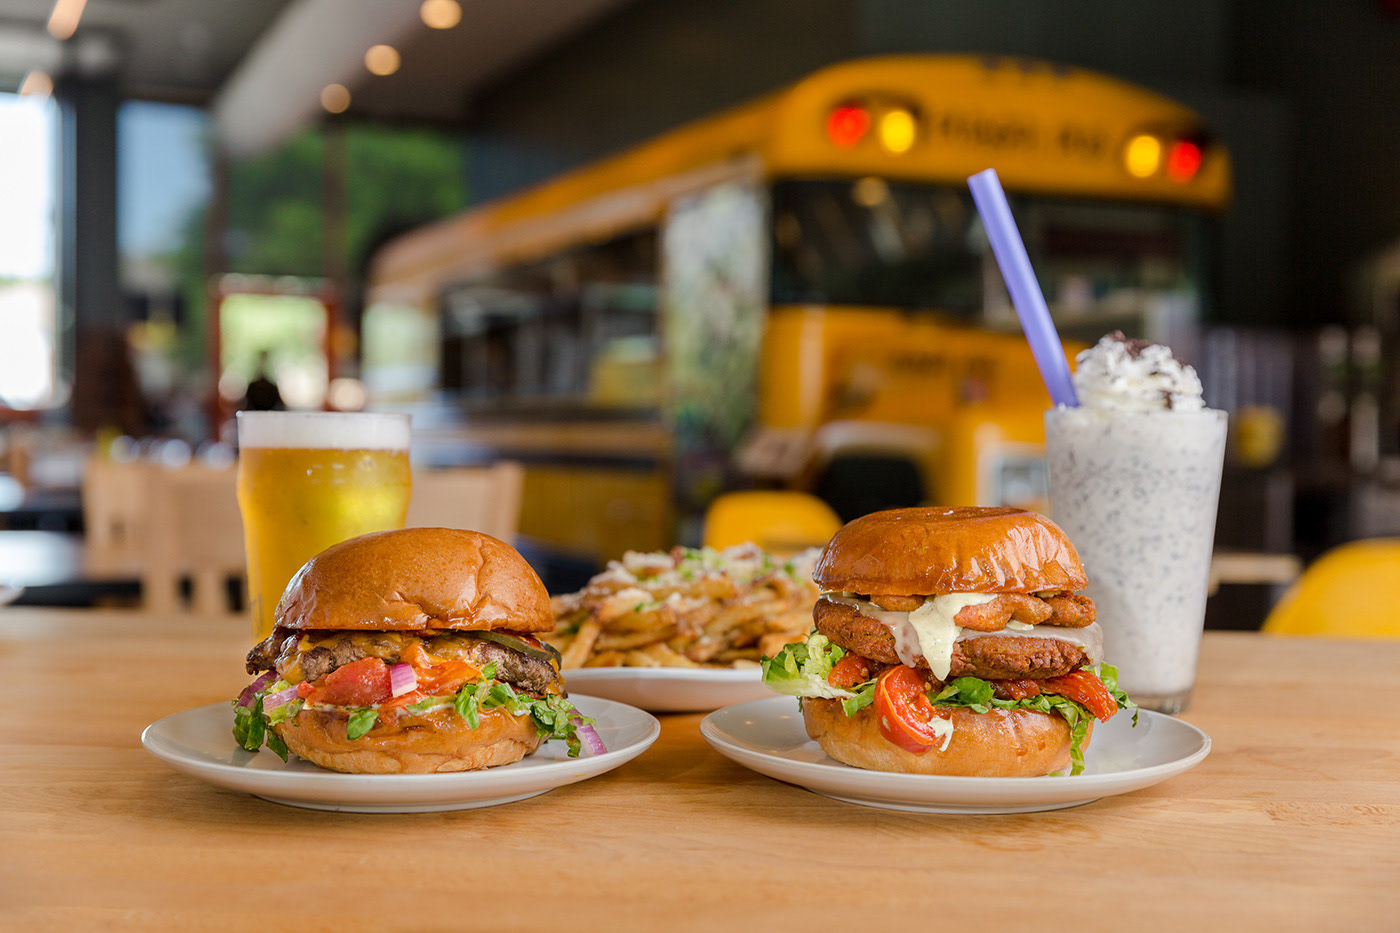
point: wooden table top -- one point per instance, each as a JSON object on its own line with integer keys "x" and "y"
{"x": 1293, "y": 821}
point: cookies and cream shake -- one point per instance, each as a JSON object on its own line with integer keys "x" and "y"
{"x": 1135, "y": 480}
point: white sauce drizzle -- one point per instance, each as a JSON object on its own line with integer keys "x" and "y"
{"x": 936, "y": 630}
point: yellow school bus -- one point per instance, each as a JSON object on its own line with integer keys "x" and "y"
{"x": 796, "y": 292}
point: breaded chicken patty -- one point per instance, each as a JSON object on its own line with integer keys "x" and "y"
{"x": 991, "y": 657}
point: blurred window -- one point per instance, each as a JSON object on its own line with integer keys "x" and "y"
{"x": 880, "y": 243}
{"x": 575, "y": 328}
{"x": 29, "y": 316}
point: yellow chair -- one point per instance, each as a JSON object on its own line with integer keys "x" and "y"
{"x": 782, "y": 522}
{"x": 1349, "y": 591}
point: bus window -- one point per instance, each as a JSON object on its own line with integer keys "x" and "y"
{"x": 549, "y": 331}
{"x": 877, "y": 243}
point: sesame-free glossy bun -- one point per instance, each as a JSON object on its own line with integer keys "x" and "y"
{"x": 443, "y": 578}
{"x": 437, "y": 741}
{"x": 997, "y": 743}
{"x": 931, "y": 551}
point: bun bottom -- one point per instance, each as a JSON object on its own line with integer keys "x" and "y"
{"x": 997, "y": 743}
{"x": 440, "y": 741}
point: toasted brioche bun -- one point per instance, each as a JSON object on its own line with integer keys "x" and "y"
{"x": 998, "y": 743}
{"x": 444, "y": 578}
{"x": 931, "y": 551}
{"x": 436, "y": 741}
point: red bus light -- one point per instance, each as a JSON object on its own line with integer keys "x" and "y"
{"x": 847, "y": 125}
{"x": 1183, "y": 161}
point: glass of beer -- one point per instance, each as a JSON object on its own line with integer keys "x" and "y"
{"x": 307, "y": 480}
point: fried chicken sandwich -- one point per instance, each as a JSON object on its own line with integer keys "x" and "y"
{"x": 410, "y": 651}
{"x": 951, "y": 641}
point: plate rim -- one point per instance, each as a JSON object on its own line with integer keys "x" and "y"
{"x": 710, "y": 731}
{"x": 279, "y": 779}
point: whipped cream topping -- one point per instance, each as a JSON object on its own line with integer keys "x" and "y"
{"x": 1134, "y": 375}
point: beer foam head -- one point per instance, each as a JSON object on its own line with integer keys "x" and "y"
{"x": 323, "y": 430}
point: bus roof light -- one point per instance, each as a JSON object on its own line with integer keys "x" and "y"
{"x": 847, "y": 125}
{"x": 897, "y": 131}
{"x": 1183, "y": 161}
{"x": 1143, "y": 155}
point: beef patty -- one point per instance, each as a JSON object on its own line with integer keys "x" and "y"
{"x": 991, "y": 657}
{"x": 278, "y": 652}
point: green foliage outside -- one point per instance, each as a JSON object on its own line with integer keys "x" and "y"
{"x": 395, "y": 179}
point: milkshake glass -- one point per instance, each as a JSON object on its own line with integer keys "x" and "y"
{"x": 1136, "y": 489}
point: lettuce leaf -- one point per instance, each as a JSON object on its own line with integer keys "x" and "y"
{"x": 250, "y": 725}
{"x": 554, "y": 717}
{"x": 801, "y": 669}
{"x": 360, "y": 722}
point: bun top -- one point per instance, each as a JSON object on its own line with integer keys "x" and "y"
{"x": 931, "y": 551}
{"x": 442, "y": 578}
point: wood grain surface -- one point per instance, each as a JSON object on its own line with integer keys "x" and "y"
{"x": 1293, "y": 821}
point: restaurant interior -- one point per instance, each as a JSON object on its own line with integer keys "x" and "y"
{"x": 700, "y": 274}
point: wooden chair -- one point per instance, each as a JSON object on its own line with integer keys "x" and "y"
{"x": 114, "y": 504}
{"x": 195, "y": 531}
{"x": 1348, "y": 592}
{"x": 485, "y": 499}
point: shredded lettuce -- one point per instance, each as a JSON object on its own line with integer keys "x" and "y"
{"x": 250, "y": 726}
{"x": 553, "y": 715}
{"x": 801, "y": 669}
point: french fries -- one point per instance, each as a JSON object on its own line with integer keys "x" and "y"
{"x": 687, "y": 608}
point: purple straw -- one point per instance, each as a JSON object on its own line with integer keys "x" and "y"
{"x": 1016, "y": 269}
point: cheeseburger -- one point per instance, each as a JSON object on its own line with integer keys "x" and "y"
{"x": 951, "y": 641}
{"x": 410, "y": 652}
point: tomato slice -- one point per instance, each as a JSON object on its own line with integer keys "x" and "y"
{"x": 360, "y": 683}
{"x": 1086, "y": 688}
{"x": 906, "y": 715}
{"x": 849, "y": 671}
{"x": 1017, "y": 689}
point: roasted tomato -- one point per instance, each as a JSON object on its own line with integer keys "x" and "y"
{"x": 360, "y": 683}
{"x": 907, "y": 718}
{"x": 1084, "y": 687}
{"x": 849, "y": 671}
{"x": 1017, "y": 689}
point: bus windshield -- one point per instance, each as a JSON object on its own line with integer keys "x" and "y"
{"x": 880, "y": 243}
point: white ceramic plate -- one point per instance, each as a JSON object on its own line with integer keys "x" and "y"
{"x": 669, "y": 689}
{"x": 768, "y": 736}
{"x": 199, "y": 742}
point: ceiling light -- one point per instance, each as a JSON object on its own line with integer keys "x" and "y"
{"x": 441, "y": 14}
{"x": 37, "y": 84}
{"x": 870, "y": 191}
{"x": 63, "y": 21}
{"x": 335, "y": 98}
{"x": 382, "y": 59}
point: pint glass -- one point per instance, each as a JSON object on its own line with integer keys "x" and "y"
{"x": 307, "y": 480}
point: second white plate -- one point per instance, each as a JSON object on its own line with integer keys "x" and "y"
{"x": 669, "y": 689}
{"x": 769, "y": 737}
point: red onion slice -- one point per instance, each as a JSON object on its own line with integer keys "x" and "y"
{"x": 274, "y": 700}
{"x": 246, "y": 697}
{"x": 402, "y": 679}
{"x": 589, "y": 737}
